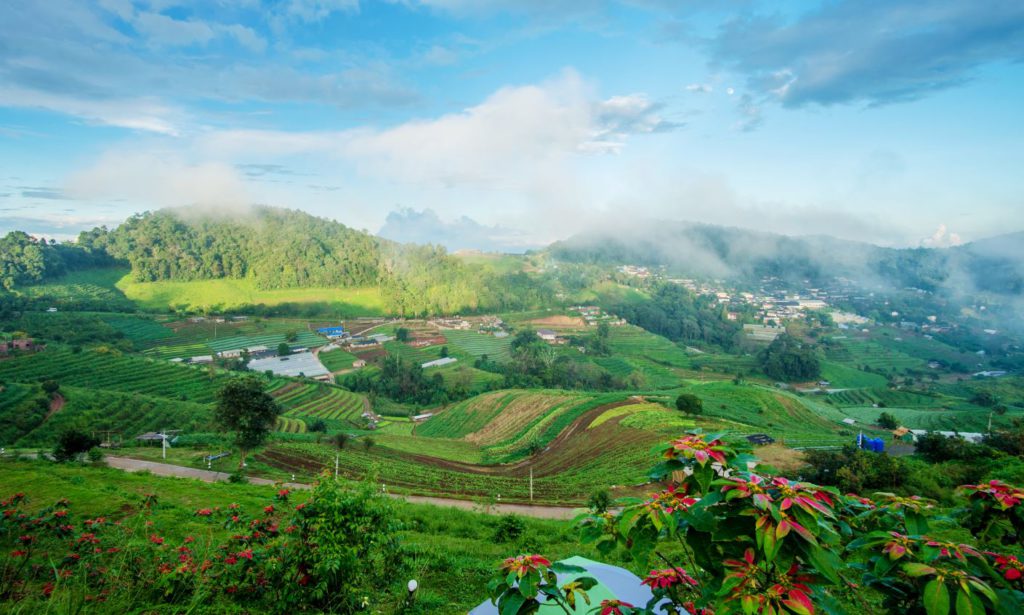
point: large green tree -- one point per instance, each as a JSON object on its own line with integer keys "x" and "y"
{"x": 790, "y": 360}
{"x": 244, "y": 407}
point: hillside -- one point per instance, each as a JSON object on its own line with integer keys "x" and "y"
{"x": 994, "y": 265}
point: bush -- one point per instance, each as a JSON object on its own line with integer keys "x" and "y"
{"x": 341, "y": 440}
{"x": 689, "y": 403}
{"x": 600, "y": 501}
{"x": 888, "y": 421}
{"x": 509, "y": 528}
{"x": 73, "y": 443}
{"x": 237, "y": 477}
{"x": 318, "y": 426}
{"x": 95, "y": 454}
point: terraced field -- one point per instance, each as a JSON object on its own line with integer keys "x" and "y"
{"x": 190, "y": 339}
{"x": 476, "y": 344}
{"x": 859, "y": 351}
{"x": 110, "y": 370}
{"x": 867, "y": 397}
{"x": 128, "y": 414}
{"x": 337, "y": 359}
{"x": 302, "y": 400}
{"x": 288, "y": 424}
{"x": 145, "y": 332}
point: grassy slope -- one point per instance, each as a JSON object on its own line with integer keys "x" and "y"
{"x": 232, "y": 293}
{"x": 454, "y": 550}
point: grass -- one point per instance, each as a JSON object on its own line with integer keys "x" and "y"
{"x": 228, "y": 294}
{"x": 452, "y": 552}
{"x": 93, "y": 289}
{"x": 337, "y": 359}
{"x": 477, "y": 344}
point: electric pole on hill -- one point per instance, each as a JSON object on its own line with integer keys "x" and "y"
{"x": 531, "y": 483}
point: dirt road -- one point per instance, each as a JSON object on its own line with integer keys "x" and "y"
{"x": 165, "y": 469}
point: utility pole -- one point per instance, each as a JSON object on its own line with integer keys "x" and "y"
{"x": 531, "y": 483}
{"x": 163, "y": 443}
{"x": 335, "y": 466}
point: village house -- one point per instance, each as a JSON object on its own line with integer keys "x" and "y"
{"x": 17, "y": 344}
{"x": 547, "y": 335}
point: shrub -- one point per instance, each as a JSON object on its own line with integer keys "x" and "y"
{"x": 888, "y": 421}
{"x": 600, "y": 501}
{"x": 689, "y": 403}
{"x": 318, "y": 426}
{"x": 72, "y": 443}
{"x": 509, "y": 528}
{"x": 95, "y": 454}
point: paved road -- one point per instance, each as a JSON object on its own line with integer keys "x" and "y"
{"x": 165, "y": 469}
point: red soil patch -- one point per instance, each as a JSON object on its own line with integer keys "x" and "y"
{"x": 55, "y": 405}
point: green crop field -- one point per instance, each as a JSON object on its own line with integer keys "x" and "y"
{"x": 970, "y": 420}
{"x": 189, "y": 339}
{"x": 412, "y": 354}
{"x": 842, "y": 376}
{"x": 319, "y": 401}
{"x": 109, "y": 369}
{"x": 93, "y": 289}
{"x": 477, "y": 344}
{"x": 144, "y": 332}
{"x": 336, "y": 359}
{"x": 227, "y": 294}
{"x": 25, "y": 422}
{"x": 857, "y": 352}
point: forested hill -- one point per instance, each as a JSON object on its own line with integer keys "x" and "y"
{"x": 995, "y": 265}
{"x": 278, "y": 248}
{"x": 275, "y": 249}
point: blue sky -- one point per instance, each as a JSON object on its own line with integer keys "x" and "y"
{"x": 511, "y": 123}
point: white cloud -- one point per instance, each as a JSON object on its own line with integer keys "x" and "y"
{"x": 162, "y": 180}
{"x": 312, "y": 11}
{"x": 142, "y": 114}
{"x": 701, "y": 88}
{"x": 942, "y": 238}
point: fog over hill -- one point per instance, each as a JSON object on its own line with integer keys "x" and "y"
{"x": 994, "y": 265}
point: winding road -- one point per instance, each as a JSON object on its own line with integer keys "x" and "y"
{"x": 165, "y": 469}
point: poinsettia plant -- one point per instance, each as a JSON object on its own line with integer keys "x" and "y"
{"x": 736, "y": 540}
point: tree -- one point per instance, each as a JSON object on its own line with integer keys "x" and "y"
{"x": 689, "y": 403}
{"x": 444, "y": 352}
{"x": 51, "y": 387}
{"x": 402, "y": 334}
{"x": 888, "y": 420}
{"x": 246, "y": 409}
{"x": 73, "y": 443}
{"x": 283, "y": 349}
{"x": 788, "y": 360}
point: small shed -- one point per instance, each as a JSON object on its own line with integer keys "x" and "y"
{"x": 359, "y": 363}
{"x": 547, "y": 335}
{"x": 760, "y": 439}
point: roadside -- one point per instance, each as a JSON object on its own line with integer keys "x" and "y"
{"x": 165, "y": 469}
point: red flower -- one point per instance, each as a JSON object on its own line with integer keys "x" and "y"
{"x": 19, "y": 553}
{"x": 231, "y": 559}
{"x": 26, "y": 539}
{"x": 523, "y": 564}
{"x": 660, "y": 579}
{"x": 247, "y": 554}
{"x": 614, "y": 607}
{"x": 696, "y": 447}
{"x": 268, "y": 509}
{"x": 204, "y": 512}
{"x": 60, "y": 514}
{"x": 156, "y": 539}
{"x": 189, "y": 539}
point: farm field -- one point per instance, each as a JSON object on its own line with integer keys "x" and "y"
{"x": 859, "y": 352}
{"x": 336, "y": 359}
{"x": 93, "y": 289}
{"x": 228, "y": 294}
{"x": 189, "y": 339}
{"x": 307, "y": 401}
{"x": 109, "y": 369}
{"x": 476, "y": 344}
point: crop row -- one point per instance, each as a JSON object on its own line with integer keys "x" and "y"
{"x": 111, "y": 370}
{"x": 321, "y": 401}
{"x": 477, "y": 344}
{"x": 289, "y": 424}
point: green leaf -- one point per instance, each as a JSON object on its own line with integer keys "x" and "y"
{"x": 913, "y": 569}
{"x": 511, "y": 602}
{"x": 825, "y": 561}
{"x": 968, "y": 604}
{"x": 936, "y": 598}
{"x": 566, "y": 568}
{"x": 586, "y": 582}
{"x": 917, "y": 524}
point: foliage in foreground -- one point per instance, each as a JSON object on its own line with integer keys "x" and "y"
{"x": 336, "y": 552}
{"x": 727, "y": 540}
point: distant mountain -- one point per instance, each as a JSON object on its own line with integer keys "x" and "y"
{"x": 993, "y": 265}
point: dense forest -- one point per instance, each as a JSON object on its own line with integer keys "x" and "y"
{"x": 680, "y": 315}
{"x": 26, "y": 260}
{"x": 278, "y": 248}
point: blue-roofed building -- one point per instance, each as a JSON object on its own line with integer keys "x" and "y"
{"x": 331, "y": 332}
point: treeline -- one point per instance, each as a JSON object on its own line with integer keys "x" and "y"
{"x": 278, "y": 248}
{"x": 680, "y": 315}
{"x": 26, "y": 260}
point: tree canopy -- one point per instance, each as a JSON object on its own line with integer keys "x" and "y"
{"x": 246, "y": 409}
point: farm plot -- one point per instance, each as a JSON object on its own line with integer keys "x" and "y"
{"x": 466, "y": 416}
{"x": 289, "y": 424}
{"x": 477, "y": 344}
{"x": 762, "y": 409}
{"x": 516, "y": 416}
{"x": 144, "y": 332}
{"x": 97, "y": 369}
{"x": 883, "y": 397}
{"x": 411, "y": 354}
{"x": 629, "y": 341}
{"x": 934, "y": 419}
{"x": 470, "y": 377}
{"x": 319, "y": 400}
{"x": 862, "y": 352}
{"x": 128, "y": 414}
{"x": 335, "y": 360}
